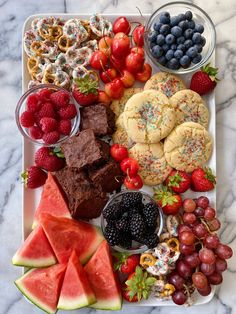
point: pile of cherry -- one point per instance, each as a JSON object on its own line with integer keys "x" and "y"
{"x": 203, "y": 257}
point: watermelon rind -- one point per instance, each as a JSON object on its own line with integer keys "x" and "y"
{"x": 114, "y": 304}
{"x": 27, "y": 294}
{"x": 72, "y": 304}
{"x": 33, "y": 263}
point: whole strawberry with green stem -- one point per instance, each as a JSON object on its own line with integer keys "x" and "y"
{"x": 205, "y": 80}
{"x": 50, "y": 159}
{"x": 125, "y": 262}
{"x": 169, "y": 201}
{"x": 178, "y": 181}
{"x": 34, "y": 177}
{"x": 203, "y": 180}
{"x": 85, "y": 90}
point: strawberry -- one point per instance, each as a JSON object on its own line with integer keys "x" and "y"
{"x": 203, "y": 180}
{"x": 85, "y": 90}
{"x": 170, "y": 202}
{"x": 33, "y": 103}
{"x": 27, "y": 119}
{"x": 51, "y": 137}
{"x": 205, "y": 80}
{"x": 68, "y": 112}
{"x": 60, "y": 99}
{"x": 35, "y": 132}
{"x": 64, "y": 127}
{"x": 178, "y": 181}
{"x": 126, "y": 263}
{"x": 49, "y": 159}
{"x": 48, "y": 124}
{"x": 44, "y": 94}
{"x": 34, "y": 177}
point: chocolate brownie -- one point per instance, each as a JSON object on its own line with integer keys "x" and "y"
{"x": 85, "y": 150}
{"x": 85, "y": 200}
{"x": 108, "y": 176}
{"x": 99, "y": 118}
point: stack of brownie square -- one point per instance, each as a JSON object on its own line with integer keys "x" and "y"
{"x": 90, "y": 173}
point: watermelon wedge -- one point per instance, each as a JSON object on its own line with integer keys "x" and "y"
{"x": 52, "y": 201}
{"x": 42, "y": 286}
{"x": 76, "y": 291}
{"x": 66, "y": 235}
{"x": 35, "y": 251}
{"x": 103, "y": 280}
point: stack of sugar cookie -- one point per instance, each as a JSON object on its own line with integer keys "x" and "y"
{"x": 164, "y": 127}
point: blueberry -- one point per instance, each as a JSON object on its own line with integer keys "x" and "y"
{"x": 165, "y": 17}
{"x": 188, "y": 33}
{"x": 199, "y": 28}
{"x": 181, "y": 47}
{"x": 173, "y": 64}
{"x": 183, "y": 25}
{"x": 170, "y": 39}
{"x": 176, "y": 31}
{"x": 180, "y": 40}
{"x": 162, "y": 60}
{"x": 178, "y": 54}
{"x": 165, "y": 47}
{"x": 157, "y": 26}
{"x": 152, "y": 36}
{"x": 169, "y": 54}
{"x": 173, "y": 47}
{"x": 197, "y": 59}
{"x": 165, "y": 29}
{"x": 160, "y": 40}
{"x": 197, "y": 38}
{"x": 191, "y": 24}
{"x": 191, "y": 52}
{"x": 203, "y": 41}
{"x": 188, "y": 15}
{"x": 188, "y": 43}
{"x": 174, "y": 20}
{"x": 185, "y": 61}
{"x": 152, "y": 44}
{"x": 181, "y": 17}
{"x": 199, "y": 48}
{"x": 157, "y": 51}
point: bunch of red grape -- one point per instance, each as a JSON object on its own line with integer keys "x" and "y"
{"x": 203, "y": 257}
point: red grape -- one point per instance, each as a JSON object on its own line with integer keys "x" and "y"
{"x": 189, "y": 205}
{"x": 211, "y": 241}
{"x": 214, "y": 224}
{"x": 200, "y": 230}
{"x": 207, "y": 256}
{"x": 206, "y": 291}
{"x": 221, "y": 265}
{"x": 199, "y": 212}
{"x": 192, "y": 260}
{"x": 215, "y": 278}
{"x": 187, "y": 237}
{"x": 176, "y": 280}
{"x": 199, "y": 280}
{"x": 208, "y": 269}
{"x": 189, "y": 218}
{"x": 179, "y": 297}
{"x": 183, "y": 227}
{"x": 186, "y": 249}
{"x": 184, "y": 269}
{"x": 203, "y": 202}
{"x": 209, "y": 213}
{"x": 224, "y": 251}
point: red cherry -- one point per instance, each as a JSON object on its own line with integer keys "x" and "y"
{"x": 120, "y": 46}
{"x": 104, "y": 45}
{"x": 114, "y": 89}
{"x": 138, "y": 50}
{"x": 134, "y": 62}
{"x": 121, "y": 24}
{"x": 118, "y": 152}
{"x": 108, "y": 75}
{"x": 133, "y": 183}
{"x": 103, "y": 98}
{"x": 98, "y": 60}
{"x": 127, "y": 78}
{"x": 145, "y": 74}
{"x": 129, "y": 166}
{"x": 118, "y": 64}
{"x": 138, "y": 35}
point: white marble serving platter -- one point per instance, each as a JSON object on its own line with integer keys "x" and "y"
{"x": 31, "y": 197}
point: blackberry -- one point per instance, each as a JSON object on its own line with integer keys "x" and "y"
{"x": 126, "y": 240}
{"x": 150, "y": 212}
{"x": 137, "y": 226}
{"x": 123, "y": 224}
{"x": 131, "y": 198}
{"x": 113, "y": 211}
{"x": 151, "y": 240}
{"x": 112, "y": 235}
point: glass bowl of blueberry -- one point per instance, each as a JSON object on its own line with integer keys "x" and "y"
{"x": 180, "y": 37}
{"x": 132, "y": 222}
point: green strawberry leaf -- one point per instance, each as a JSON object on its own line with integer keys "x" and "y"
{"x": 57, "y": 152}
{"x": 209, "y": 175}
{"x": 121, "y": 258}
{"x": 86, "y": 85}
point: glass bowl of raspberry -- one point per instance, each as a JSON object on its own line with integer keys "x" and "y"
{"x": 47, "y": 115}
{"x": 132, "y": 222}
{"x": 179, "y": 37}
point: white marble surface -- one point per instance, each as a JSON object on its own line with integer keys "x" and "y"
{"x": 12, "y": 15}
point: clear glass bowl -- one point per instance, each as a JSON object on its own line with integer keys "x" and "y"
{"x": 137, "y": 248}
{"x": 21, "y": 106}
{"x": 199, "y": 16}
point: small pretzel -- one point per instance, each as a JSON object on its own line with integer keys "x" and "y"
{"x": 64, "y": 43}
{"x": 169, "y": 289}
{"x": 75, "y": 30}
{"x": 60, "y": 79}
{"x": 173, "y": 244}
{"x": 162, "y": 251}
{"x": 79, "y": 57}
{"x": 164, "y": 236}
{"x": 91, "y": 44}
{"x": 172, "y": 223}
{"x": 29, "y": 38}
{"x": 86, "y": 25}
{"x": 79, "y": 72}
{"x": 44, "y": 49}
{"x": 99, "y": 25}
{"x": 147, "y": 260}
{"x": 159, "y": 285}
{"x": 51, "y": 32}
{"x": 32, "y": 64}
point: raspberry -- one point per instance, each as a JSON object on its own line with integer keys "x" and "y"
{"x": 48, "y": 124}
{"x": 68, "y": 112}
{"x": 44, "y": 94}
{"x": 35, "y": 132}
{"x": 60, "y": 99}
{"x": 46, "y": 158}
{"x": 64, "y": 127}
{"x": 46, "y": 111}
{"x": 27, "y": 119}
{"x": 33, "y": 103}
{"x": 51, "y": 137}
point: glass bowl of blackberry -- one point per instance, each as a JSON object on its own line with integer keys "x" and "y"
{"x": 179, "y": 37}
{"x": 132, "y": 222}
